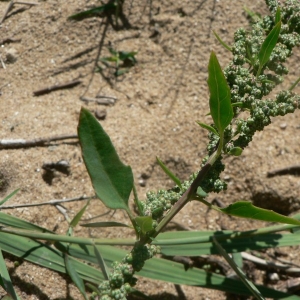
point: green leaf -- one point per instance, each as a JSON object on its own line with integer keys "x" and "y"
{"x": 236, "y": 151}
{"x": 105, "y": 224}
{"x": 94, "y": 11}
{"x": 111, "y": 179}
{"x": 78, "y": 216}
{"x": 169, "y": 173}
{"x": 222, "y": 42}
{"x": 127, "y": 55}
{"x": 120, "y": 72}
{"x": 75, "y": 276}
{"x": 145, "y": 223}
{"x": 238, "y": 259}
{"x": 8, "y": 286}
{"x": 201, "y": 192}
{"x": 220, "y": 99}
{"x": 268, "y": 46}
{"x": 245, "y": 209}
{"x": 8, "y": 197}
{"x": 278, "y": 15}
{"x": 208, "y": 127}
{"x": 101, "y": 263}
{"x": 251, "y": 287}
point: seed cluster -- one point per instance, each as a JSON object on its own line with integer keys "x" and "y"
{"x": 249, "y": 87}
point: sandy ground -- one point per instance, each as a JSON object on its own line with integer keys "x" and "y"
{"x": 158, "y": 102}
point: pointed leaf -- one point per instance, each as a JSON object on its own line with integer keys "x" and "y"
{"x": 208, "y": 127}
{"x": 94, "y": 11}
{"x": 75, "y": 276}
{"x": 222, "y": 42}
{"x": 111, "y": 179}
{"x": 101, "y": 263}
{"x": 8, "y": 197}
{"x": 6, "y": 279}
{"x": 78, "y": 216}
{"x": 251, "y": 287}
{"x": 278, "y": 15}
{"x": 268, "y": 46}
{"x": 220, "y": 99}
{"x": 169, "y": 173}
{"x": 105, "y": 224}
{"x": 245, "y": 209}
{"x": 145, "y": 223}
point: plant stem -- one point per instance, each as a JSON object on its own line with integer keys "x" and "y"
{"x": 191, "y": 192}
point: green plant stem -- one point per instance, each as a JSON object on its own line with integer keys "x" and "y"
{"x": 191, "y": 192}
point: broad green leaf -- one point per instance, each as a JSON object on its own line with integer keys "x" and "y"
{"x": 8, "y": 197}
{"x": 222, "y": 42}
{"x": 101, "y": 263}
{"x": 268, "y": 46}
{"x": 145, "y": 223}
{"x": 8, "y": 286}
{"x": 169, "y": 173}
{"x": 75, "y": 276}
{"x": 245, "y": 209}
{"x": 94, "y": 11}
{"x": 111, "y": 179}
{"x": 278, "y": 15}
{"x": 220, "y": 99}
{"x": 208, "y": 127}
{"x": 78, "y": 216}
{"x": 251, "y": 287}
{"x": 105, "y": 224}
{"x": 236, "y": 151}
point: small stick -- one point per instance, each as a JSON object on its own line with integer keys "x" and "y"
{"x": 51, "y": 202}
{"x": 8, "y": 8}
{"x": 56, "y": 87}
{"x": 12, "y": 3}
{"x": 293, "y": 170}
{"x": 2, "y": 62}
{"x": 20, "y": 143}
{"x": 262, "y": 262}
{"x": 9, "y": 40}
{"x": 107, "y": 101}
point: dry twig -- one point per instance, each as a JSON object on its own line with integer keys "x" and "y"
{"x": 56, "y": 87}
{"x": 51, "y": 202}
{"x": 11, "y": 4}
{"x": 104, "y": 101}
{"x": 292, "y": 170}
{"x": 20, "y": 143}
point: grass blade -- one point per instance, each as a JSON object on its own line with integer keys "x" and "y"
{"x": 111, "y": 179}
{"x": 75, "y": 276}
{"x": 101, "y": 263}
{"x": 94, "y": 11}
{"x": 169, "y": 173}
{"x": 220, "y": 99}
{"x": 252, "y": 288}
{"x": 8, "y": 197}
{"x": 6, "y": 279}
{"x": 105, "y": 224}
{"x": 78, "y": 216}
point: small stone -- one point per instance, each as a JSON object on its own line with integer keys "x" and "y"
{"x": 11, "y": 55}
{"x": 283, "y": 125}
{"x": 100, "y": 114}
{"x": 273, "y": 276}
